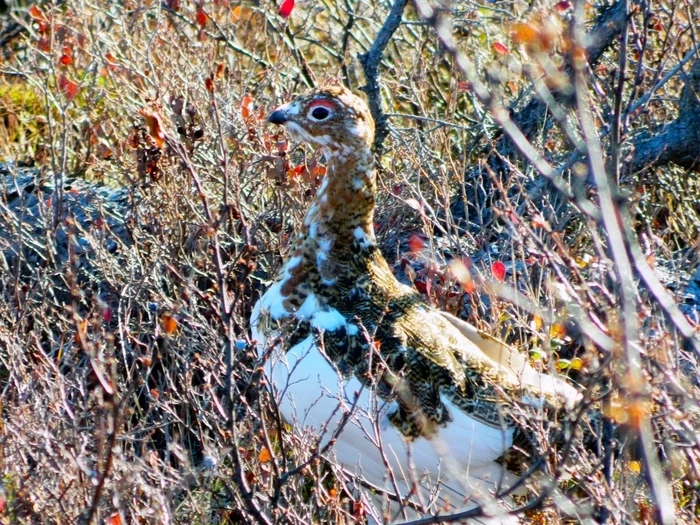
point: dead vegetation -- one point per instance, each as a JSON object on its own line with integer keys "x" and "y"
{"x": 538, "y": 178}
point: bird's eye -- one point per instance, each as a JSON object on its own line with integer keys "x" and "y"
{"x": 320, "y": 113}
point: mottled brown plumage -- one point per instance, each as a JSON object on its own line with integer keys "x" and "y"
{"x": 337, "y": 284}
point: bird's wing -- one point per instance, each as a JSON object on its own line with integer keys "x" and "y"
{"x": 511, "y": 359}
{"x": 437, "y": 358}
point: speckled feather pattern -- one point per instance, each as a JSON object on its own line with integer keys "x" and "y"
{"x": 336, "y": 285}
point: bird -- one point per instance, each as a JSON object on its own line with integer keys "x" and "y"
{"x": 408, "y": 396}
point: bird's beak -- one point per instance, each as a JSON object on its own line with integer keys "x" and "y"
{"x": 279, "y": 116}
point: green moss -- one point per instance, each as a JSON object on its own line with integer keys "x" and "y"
{"x": 21, "y": 95}
{"x": 22, "y": 120}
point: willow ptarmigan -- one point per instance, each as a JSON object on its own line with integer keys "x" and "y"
{"x": 414, "y": 385}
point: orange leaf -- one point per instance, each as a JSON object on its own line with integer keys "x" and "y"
{"x": 80, "y": 336}
{"x": 168, "y": 323}
{"x": 500, "y": 49}
{"x": 264, "y": 455}
{"x": 155, "y": 129}
{"x": 557, "y": 331}
{"x": 525, "y": 33}
{"x": 536, "y": 322}
{"x": 111, "y": 62}
{"x": 236, "y": 13}
{"x": 246, "y": 107}
{"x": 114, "y": 519}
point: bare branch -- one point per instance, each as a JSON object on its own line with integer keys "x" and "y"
{"x": 678, "y": 141}
{"x": 370, "y": 62}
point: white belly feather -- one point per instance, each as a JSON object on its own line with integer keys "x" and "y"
{"x": 313, "y": 398}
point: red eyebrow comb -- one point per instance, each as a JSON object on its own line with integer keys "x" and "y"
{"x": 322, "y": 103}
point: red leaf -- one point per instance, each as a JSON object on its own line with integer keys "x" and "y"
{"x": 286, "y": 8}
{"x": 201, "y": 18}
{"x": 562, "y": 6}
{"x": 69, "y": 87}
{"x": 498, "y": 270}
{"x": 44, "y": 45}
{"x": 416, "y": 243}
{"x": 209, "y": 84}
{"x": 500, "y": 49}
{"x": 65, "y": 60}
{"x": 35, "y": 12}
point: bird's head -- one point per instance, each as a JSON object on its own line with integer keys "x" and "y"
{"x": 331, "y": 117}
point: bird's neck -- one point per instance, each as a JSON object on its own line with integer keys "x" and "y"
{"x": 341, "y": 216}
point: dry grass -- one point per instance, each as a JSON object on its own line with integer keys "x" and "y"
{"x": 130, "y": 389}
